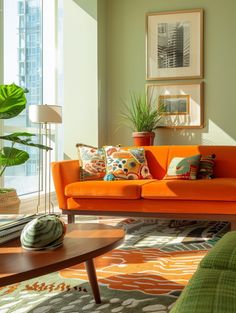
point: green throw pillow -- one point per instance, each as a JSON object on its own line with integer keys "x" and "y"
{"x": 183, "y": 168}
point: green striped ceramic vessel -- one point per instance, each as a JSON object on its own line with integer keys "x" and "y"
{"x": 43, "y": 232}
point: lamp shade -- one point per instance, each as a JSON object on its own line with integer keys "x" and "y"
{"x": 45, "y": 113}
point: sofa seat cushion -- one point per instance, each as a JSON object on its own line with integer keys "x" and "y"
{"x": 217, "y": 189}
{"x": 223, "y": 254}
{"x": 122, "y": 189}
{"x": 208, "y": 291}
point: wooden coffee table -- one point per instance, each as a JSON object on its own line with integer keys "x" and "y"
{"x": 82, "y": 243}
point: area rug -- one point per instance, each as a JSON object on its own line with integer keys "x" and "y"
{"x": 145, "y": 274}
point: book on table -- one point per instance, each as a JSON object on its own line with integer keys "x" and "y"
{"x": 8, "y": 237}
{"x": 10, "y": 227}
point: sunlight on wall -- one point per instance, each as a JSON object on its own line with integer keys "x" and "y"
{"x": 216, "y": 136}
{"x": 80, "y": 116}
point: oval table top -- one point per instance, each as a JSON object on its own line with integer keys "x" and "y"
{"x": 82, "y": 242}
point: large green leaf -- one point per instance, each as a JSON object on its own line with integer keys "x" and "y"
{"x": 24, "y": 139}
{"x": 12, "y": 101}
{"x": 12, "y": 156}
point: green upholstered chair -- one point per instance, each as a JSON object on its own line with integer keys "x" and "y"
{"x": 212, "y": 289}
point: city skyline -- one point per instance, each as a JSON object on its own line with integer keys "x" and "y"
{"x": 27, "y": 46}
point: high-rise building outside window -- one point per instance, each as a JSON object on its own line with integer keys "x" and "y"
{"x": 24, "y": 62}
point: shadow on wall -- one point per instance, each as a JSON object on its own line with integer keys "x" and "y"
{"x": 211, "y": 134}
{"x": 66, "y": 157}
{"x": 180, "y": 136}
{"x": 88, "y": 6}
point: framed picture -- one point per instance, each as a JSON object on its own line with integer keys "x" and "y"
{"x": 180, "y": 104}
{"x": 174, "y": 104}
{"x": 174, "y": 42}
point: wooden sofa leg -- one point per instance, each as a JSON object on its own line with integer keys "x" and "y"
{"x": 233, "y": 225}
{"x": 70, "y": 218}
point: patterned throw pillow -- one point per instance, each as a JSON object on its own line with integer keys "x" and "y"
{"x": 92, "y": 162}
{"x": 206, "y": 167}
{"x": 183, "y": 168}
{"x": 126, "y": 163}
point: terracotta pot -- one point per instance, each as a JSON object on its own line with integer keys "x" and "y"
{"x": 143, "y": 138}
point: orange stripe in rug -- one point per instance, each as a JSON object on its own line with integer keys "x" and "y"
{"x": 150, "y": 271}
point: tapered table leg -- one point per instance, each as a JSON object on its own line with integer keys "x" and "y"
{"x": 93, "y": 280}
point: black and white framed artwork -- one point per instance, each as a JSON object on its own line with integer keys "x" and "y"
{"x": 175, "y": 45}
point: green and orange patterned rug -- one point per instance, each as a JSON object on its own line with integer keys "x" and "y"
{"x": 145, "y": 274}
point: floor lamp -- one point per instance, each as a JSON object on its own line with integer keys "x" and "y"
{"x": 45, "y": 115}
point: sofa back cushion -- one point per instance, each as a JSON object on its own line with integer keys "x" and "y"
{"x": 225, "y": 165}
{"x": 157, "y": 159}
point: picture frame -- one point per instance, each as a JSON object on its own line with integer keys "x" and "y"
{"x": 174, "y": 45}
{"x": 180, "y": 104}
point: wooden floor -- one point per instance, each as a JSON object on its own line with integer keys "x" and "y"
{"x": 79, "y": 218}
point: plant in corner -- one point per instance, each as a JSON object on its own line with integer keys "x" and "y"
{"x": 12, "y": 103}
{"x": 143, "y": 117}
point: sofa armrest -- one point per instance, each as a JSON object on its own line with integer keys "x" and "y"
{"x": 64, "y": 173}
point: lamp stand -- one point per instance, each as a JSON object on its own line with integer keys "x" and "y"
{"x": 48, "y": 205}
{"x": 40, "y": 166}
{"x": 45, "y": 115}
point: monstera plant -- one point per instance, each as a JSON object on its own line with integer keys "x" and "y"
{"x": 12, "y": 103}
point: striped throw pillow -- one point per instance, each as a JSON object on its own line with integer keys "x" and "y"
{"x": 206, "y": 167}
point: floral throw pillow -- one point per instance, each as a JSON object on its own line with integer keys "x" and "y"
{"x": 126, "y": 163}
{"x": 183, "y": 168}
{"x": 92, "y": 162}
{"x": 206, "y": 167}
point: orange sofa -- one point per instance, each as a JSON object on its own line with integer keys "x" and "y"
{"x": 213, "y": 199}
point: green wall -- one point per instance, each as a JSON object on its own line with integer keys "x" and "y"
{"x": 102, "y": 56}
{"x": 125, "y": 67}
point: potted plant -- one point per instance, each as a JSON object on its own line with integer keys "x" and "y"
{"x": 12, "y": 103}
{"x": 143, "y": 116}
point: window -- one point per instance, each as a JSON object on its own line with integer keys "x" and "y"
{"x": 24, "y": 65}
